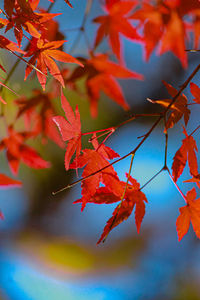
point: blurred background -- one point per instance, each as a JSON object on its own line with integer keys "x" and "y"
{"x": 48, "y": 246}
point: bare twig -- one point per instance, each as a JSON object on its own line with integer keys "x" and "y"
{"x": 82, "y": 26}
{"x": 152, "y": 178}
{"x": 194, "y": 130}
{"x": 192, "y": 50}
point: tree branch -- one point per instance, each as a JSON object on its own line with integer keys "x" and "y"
{"x": 184, "y": 85}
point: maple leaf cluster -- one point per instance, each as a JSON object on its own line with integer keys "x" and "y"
{"x": 98, "y": 170}
{"x": 156, "y": 25}
{"x": 28, "y": 22}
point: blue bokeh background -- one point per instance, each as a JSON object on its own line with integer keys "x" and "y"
{"x": 55, "y": 256}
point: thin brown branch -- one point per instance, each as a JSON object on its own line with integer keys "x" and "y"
{"x": 194, "y": 130}
{"x": 184, "y": 85}
{"x": 192, "y": 50}
{"x": 82, "y": 26}
{"x": 136, "y": 116}
{"x": 152, "y": 178}
{"x": 194, "y": 103}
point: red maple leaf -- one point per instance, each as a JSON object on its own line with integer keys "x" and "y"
{"x": 189, "y": 213}
{"x": 9, "y": 45}
{"x": 50, "y": 29}
{"x": 26, "y": 7}
{"x": 8, "y": 182}
{"x": 164, "y": 26}
{"x": 100, "y": 75}
{"x": 17, "y": 150}
{"x": 44, "y": 54}
{"x": 25, "y": 19}
{"x": 38, "y": 112}
{"x": 94, "y": 160}
{"x": 196, "y": 179}
{"x": 196, "y": 30}
{"x": 179, "y": 107}
{"x": 70, "y": 130}
{"x": 195, "y": 91}
{"x": 116, "y": 22}
{"x": 185, "y": 153}
{"x": 133, "y": 197}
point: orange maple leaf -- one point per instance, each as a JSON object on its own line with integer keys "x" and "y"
{"x": 17, "y": 150}
{"x": 185, "y": 153}
{"x": 164, "y": 26}
{"x": 112, "y": 193}
{"x": 133, "y": 197}
{"x": 44, "y": 53}
{"x": 38, "y": 112}
{"x": 28, "y": 20}
{"x": 94, "y": 160}
{"x": 179, "y": 107}
{"x": 100, "y": 75}
{"x": 8, "y": 182}
{"x": 195, "y": 91}
{"x": 70, "y": 130}
{"x": 116, "y": 22}
{"x": 9, "y": 45}
{"x": 196, "y": 179}
{"x": 189, "y": 213}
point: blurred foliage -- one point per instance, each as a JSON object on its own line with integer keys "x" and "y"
{"x": 187, "y": 290}
{"x": 72, "y": 256}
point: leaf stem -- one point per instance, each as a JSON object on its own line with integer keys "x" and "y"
{"x": 132, "y": 118}
{"x": 166, "y": 146}
{"x": 100, "y": 130}
{"x": 177, "y": 187}
{"x": 109, "y": 134}
{"x": 102, "y": 134}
